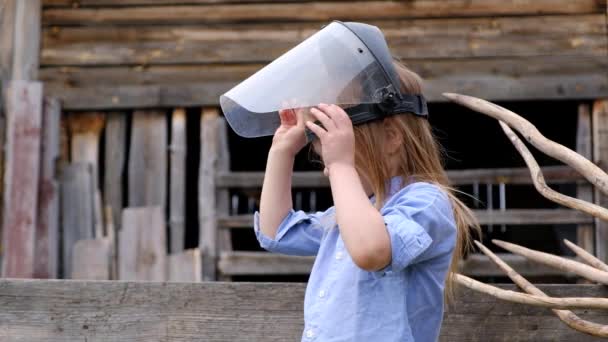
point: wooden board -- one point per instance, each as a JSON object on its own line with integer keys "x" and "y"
{"x": 307, "y": 11}
{"x": 147, "y": 169}
{"x": 575, "y": 35}
{"x": 7, "y": 33}
{"x": 26, "y": 43}
{"x": 142, "y": 249}
{"x": 46, "y": 263}
{"x": 23, "y": 129}
{"x": 600, "y": 157}
{"x": 177, "y": 181}
{"x": 185, "y": 266}
{"x": 207, "y": 192}
{"x": 224, "y": 236}
{"x": 585, "y": 232}
{"x": 91, "y": 259}
{"x": 540, "y": 77}
{"x": 115, "y": 134}
{"x": 77, "y": 201}
{"x": 53, "y": 311}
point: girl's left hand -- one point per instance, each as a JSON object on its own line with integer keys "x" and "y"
{"x": 336, "y": 136}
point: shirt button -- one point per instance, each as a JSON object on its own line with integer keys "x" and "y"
{"x": 339, "y": 255}
{"x": 310, "y": 333}
{"x": 322, "y": 293}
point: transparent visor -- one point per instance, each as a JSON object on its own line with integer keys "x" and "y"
{"x": 332, "y": 66}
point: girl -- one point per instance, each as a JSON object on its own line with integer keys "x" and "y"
{"x": 386, "y": 250}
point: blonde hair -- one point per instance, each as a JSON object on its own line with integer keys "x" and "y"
{"x": 420, "y": 160}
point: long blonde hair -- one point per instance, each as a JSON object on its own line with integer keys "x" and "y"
{"x": 420, "y": 159}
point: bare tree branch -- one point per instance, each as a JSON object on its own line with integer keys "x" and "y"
{"x": 586, "y": 256}
{"x": 589, "y": 170}
{"x": 566, "y": 316}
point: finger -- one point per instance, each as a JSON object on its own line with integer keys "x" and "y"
{"x": 323, "y": 118}
{"x": 316, "y": 129}
{"x": 336, "y": 113}
{"x": 287, "y": 117}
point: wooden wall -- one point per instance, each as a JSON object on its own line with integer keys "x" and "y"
{"x": 103, "y": 54}
{"x": 35, "y": 310}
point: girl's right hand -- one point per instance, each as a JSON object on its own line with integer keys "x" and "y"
{"x": 290, "y": 137}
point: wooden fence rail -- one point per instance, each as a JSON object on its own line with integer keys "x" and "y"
{"x": 42, "y": 310}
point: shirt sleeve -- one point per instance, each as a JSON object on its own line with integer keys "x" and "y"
{"x": 298, "y": 234}
{"x": 420, "y": 225}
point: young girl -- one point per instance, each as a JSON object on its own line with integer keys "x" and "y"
{"x": 386, "y": 250}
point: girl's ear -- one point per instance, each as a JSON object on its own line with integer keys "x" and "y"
{"x": 392, "y": 139}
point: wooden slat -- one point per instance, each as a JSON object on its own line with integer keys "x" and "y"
{"x": 262, "y": 263}
{"x": 185, "y": 266}
{"x": 33, "y": 310}
{"x": 224, "y": 236}
{"x": 207, "y": 191}
{"x": 510, "y": 216}
{"x": 46, "y": 262}
{"x": 554, "y": 77}
{"x": 91, "y": 259}
{"x": 26, "y": 43}
{"x": 312, "y": 179}
{"x": 312, "y": 11}
{"x": 115, "y": 135}
{"x": 23, "y": 127}
{"x": 585, "y": 233}
{"x": 177, "y": 181}
{"x": 441, "y": 38}
{"x": 600, "y": 157}
{"x": 142, "y": 245}
{"x": 7, "y": 33}
{"x": 77, "y": 203}
{"x": 148, "y": 159}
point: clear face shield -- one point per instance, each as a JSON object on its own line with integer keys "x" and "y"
{"x": 332, "y": 66}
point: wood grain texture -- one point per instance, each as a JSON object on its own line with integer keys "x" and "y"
{"x": 77, "y": 203}
{"x": 20, "y": 202}
{"x": 142, "y": 243}
{"x": 207, "y": 201}
{"x": 91, "y": 259}
{"x": 585, "y": 232}
{"x": 185, "y": 266}
{"x": 306, "y": 11}
{"x": 35, "y": 310}
{"x": 224, "y": 236}
{"x": 147, "y": 168}
{"x": 7, "y": 33}
{"x": 177, "y": 181}
{"x": 46, "y": 263}
{"x": 115, "y": 134}
{"x": 600, "y": 158}
{"x": 26, "y": 43}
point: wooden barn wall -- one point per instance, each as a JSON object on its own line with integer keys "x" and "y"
{"x": 104, "y": 54}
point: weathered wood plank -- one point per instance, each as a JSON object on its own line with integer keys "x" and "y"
{"x": 46, "y": 263}
{"x": 114, "y": 162}
{"x": 23, "y": 129}
{"x": 262, "y": 263}
{"x": 311, "y": 11}
{"x": 224, "y": 236}
{"x": 490, "y": 217}
{"x": 26, "y": 43}
{"x": 599, "y": 119}
{"x": 585, "y": 232}
{"x": 142, "y": 245}
{"x": 85, "y": 131}
{"x": 91, "y": 259}
{"x": 185, "y": 266}
{"x": 77, "y": 217}
{"x": 177, "y": 181}
{"x": 147, "y": 167}
{"x": 207, "y": 192}
{"x": 34, "y": 310}
{"x": 250, "y": 43}
{"x": 308, "y": 179}
{"x": 545, "y": 77}
{"x": 7, "y": 34}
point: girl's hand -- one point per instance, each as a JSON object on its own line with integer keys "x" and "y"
{"x": 290, "y": 137}
{"x": 337, "y": 136}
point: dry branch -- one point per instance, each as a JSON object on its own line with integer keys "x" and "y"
{"x": 563, "y": 264}
{"x": 566, "y": 316}
{"x": 589, "y": 170}
{"x": 586, "y": 256}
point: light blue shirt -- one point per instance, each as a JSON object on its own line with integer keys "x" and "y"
{"x": 403, "y": 301}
